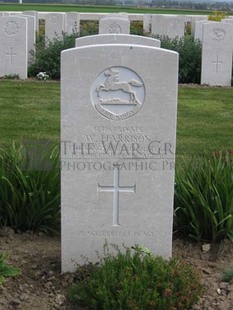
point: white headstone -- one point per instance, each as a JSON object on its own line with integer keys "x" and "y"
{"x": 116, "y": 39}
{"x": 147, "y": 23}
{"x": 168, "y": 25}
{"x": 14, "y": 13}
{"x": 118, "y": 128}
{"x": 54, "y": 25}
{"x": 92, "y": 16}
{"x": 158, "y": 25}
{"x": 198, "y": 33}
{"x": 196, "y": 18}
{"x": 227, "y": 20}
{"x": 34, "y": 14}
{"x": 13, "y": 46}
{"x": 72, "y": 22}
{"x": 217, "y": 54}
{"x": 114, "y": 24}
{"x": 31, "y": 36}
{"x": 175, "y": 26}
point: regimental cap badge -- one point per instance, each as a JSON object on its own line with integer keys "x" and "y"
{"x": 118, "y": 93}
{"x": 218, "y": 34}
{"x": 11, "y": 28}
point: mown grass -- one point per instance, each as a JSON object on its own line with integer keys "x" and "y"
{"x": 30, "y": 110}
{"x": 204, "y": 120}
{"x": 97, "y": 9}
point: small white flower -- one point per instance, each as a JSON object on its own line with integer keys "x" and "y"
{"x": 42, "y": 76}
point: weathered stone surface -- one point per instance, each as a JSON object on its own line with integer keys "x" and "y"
{"x": 217, "y": 54}
{"x": 114, "y": 24}
{"x": 118, "y": 128}
{"x": 13, "y": 46}
{"x": 116, "y": 39}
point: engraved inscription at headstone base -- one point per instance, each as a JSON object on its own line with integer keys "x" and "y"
{"x": 118, "y": 125}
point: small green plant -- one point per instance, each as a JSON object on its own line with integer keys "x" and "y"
{"x": 204, "y": 197}
{"x": 11, "y": 77}
{"x": 6, "y": 270}
{"x": 136, "y": 28}
{"x": 29, "y": 188}
{"x": 88, "y": 28}
{"x": 136, "y": 280}
{"x": 217, "y": 16}
{"x": 228, "y": 275}
{"x": 189, "y": 57}
{"x": 188, "y": 28}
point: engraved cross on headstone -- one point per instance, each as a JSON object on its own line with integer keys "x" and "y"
{"x": 217, "y": 63}
{"x": 11, "y": 54}
{"x": 116, "y": 189}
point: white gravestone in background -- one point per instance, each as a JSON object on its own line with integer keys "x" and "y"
{"x": 54, "y": 25}
{"x": 118, "y": 129}
{"x": 198, "y": 33}
{"x": 13, "y": 46}
{"x": 34, "y": 14}
{"x": 31, "y": 37}
{"x": 194, "y": 19}
{"x": 217, "y": 50}
{"x": 72, "y": 22}
{"x": 116, "y": 39}
{"x": 147, "y": 23}
{"x": 158, "y": 25}
{"x": 227, "y": 20}
{"x": 165, "y": 25}
{"x": 175, "y": 26}
{"x": 114, "y": 24}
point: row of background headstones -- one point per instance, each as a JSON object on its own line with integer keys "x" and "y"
{"x": 217, "y": 40}
{"x": 170, "y": 25}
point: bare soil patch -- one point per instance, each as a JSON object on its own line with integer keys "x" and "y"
{"x": 42, "y": 286}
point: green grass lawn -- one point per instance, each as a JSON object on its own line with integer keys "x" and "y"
{"x": 96, "y": 9}
{"x": 205, "y": 119}
{"x": 31, "y": 110}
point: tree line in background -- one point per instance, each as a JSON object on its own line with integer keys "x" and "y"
{"x": 195, "y": 5}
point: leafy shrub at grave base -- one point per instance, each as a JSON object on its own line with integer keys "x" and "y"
{"x": 47, "y": 56}
{"x": 189, "y": 57}
{"x": 204, "y": 197}
{"x": 29, "y": 189}
{"x": 10, "y": 77}
{"x": 136, "y": 280}
{"x": 6, "y": 270}
{"x": 228, "y": 275}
